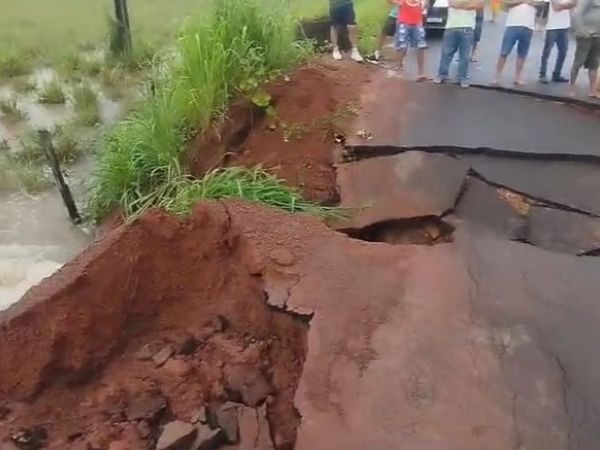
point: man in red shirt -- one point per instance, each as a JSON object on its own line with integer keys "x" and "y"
{"x": 411, "y": 33}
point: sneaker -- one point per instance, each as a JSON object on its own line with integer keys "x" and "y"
{"x": 464, "y": 84}
{"x": 356, "y": 56}
{"x": 439, "y": 80}
{"x": 542, "y": 79}
{"x": 560, "y": 79}
{"x": 374, "y": 58}
{"x": 337, "y": 55}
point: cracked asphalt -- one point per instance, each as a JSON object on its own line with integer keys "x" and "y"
{"x": 486, "y": 342}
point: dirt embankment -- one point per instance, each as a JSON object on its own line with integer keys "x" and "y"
{"x": 152, "y": 323}
{"x": 312, "y": 105}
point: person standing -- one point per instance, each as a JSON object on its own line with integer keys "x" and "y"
{"x": 557, "y": 33}
{"x": 520, "y": 23}
{"x": 411, "y": 33}
{"x": 586, "y": 22}
{"x": 479, "y": 16}
{"x": 342, "y": 15}
{"x": 388, "y": 30}
{"x": 458, "y": 36}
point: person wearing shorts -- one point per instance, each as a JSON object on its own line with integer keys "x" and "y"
{"x": 410, "y": 33}
{"x": 387, "y": 31}
{"x": 342, "y": 15}
{"x": 520, "y": 23}
{"x": 586, "y": 22}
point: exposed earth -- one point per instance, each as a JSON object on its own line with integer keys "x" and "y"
{"x": 455, "y": 308}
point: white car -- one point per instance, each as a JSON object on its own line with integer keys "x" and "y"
{"x": 436, "y": 15}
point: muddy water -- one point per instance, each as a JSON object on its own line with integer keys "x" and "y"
{"x": 37, "y": 237}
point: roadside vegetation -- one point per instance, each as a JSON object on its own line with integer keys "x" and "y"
{"x": 225, "y": 49}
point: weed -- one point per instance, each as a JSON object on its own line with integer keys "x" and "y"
{"x": 70, "y": 64}
{"x": 14, "y": 63}
{"x": 10, "y": 110}
{"x": 16, "y": 175}
{"x": 52, "y": 93}
{"x": 293, "y": 132}
{"x": 85, "y": 102}
{"x": 30, "y": 149}
{"x": 91, "y": 67}
{"x": 66, "y": 144}
{"x": 179, "y": 195}
{"x": 217, "y": 59}
{"x": 4, "y": 146}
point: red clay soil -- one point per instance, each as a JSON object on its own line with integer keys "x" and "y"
{"x": 75, "y": 352}
{"x": 312, "y": 104}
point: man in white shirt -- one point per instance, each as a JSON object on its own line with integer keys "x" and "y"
{"x": 557, "y": 33}
{"x": 458, "y": 37}
{"x": 520, "y": 23}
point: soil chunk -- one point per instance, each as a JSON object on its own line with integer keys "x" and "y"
{"x": 177, "y": 435}
{"x": 247, "y": 384}
{"x": 163, "y": 355}
{"x": 225, "y": 417}
{"x": 147, "y": 407}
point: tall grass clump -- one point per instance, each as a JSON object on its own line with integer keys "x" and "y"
{"x": 14, "y": 62}
{"x": 11, "y": 112}
{"x": 52, "y": 93}
{"x": 85, "y": 102}
{"x": 227, "y": 54}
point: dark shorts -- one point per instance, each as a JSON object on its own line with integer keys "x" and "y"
{"x": 587, "y": 53}
{"x": 389, "y": 27}
{"x": 516, "y": 35}
{"x": 343, "y": 15}
{"x": 478, "y": 28}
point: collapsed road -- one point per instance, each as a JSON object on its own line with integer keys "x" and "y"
{"x": 456, "y": 308}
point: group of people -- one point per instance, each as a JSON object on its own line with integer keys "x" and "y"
{"x": 463, "y": 32}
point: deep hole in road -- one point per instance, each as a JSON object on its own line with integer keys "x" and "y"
{"x": 428, "y": 230}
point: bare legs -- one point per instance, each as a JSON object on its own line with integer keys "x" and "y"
{"x": 421, "y": 64}
{"x": 352, "y": 36}
{"x": 518, "y": 72}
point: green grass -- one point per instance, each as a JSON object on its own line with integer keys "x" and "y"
{"x": 217, "y": 58}
{"x": 85, "y": 102}
{"x": 16, "y": 175}
{"x": 23, "y": 85}
{"x": 11, "y": 112}
{"x": 52, "y": 93}
{"x": 64, "y": 139}
{"x": 50, "y": 30}
{"x": 14, "y": 62}
{"x": 179, "y": 194}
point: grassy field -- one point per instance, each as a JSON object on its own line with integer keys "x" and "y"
{"x": 49, "y": 30}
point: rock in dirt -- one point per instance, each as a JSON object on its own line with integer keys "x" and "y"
{"x": 30, "y": 439}
{"x": 207, "y": 438}
{"x": 163, "y": 355}
{"x": 247, "y": 385}
{"x": 148, "y": 407}
{"x": 177, "y": 435}
{"x": 145, "y": 353}
{"x": 254, "y": 430}
{"x": 282, "y": 257}
{"x": 178, "y": 367}
{"x": 225, "y": 417}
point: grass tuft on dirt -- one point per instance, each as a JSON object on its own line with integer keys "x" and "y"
{"x": 227, "y": 54}
{"x": 180, "y": 194}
